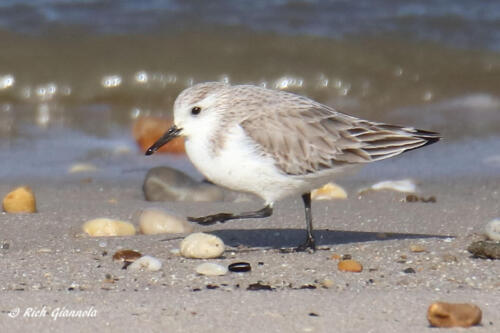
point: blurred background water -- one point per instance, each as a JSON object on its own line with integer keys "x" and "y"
{"x": 76, "y": 73}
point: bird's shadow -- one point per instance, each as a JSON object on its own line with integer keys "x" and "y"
{"x": 289, "y": 238}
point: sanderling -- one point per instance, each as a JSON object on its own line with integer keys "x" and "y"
{"x": 276, "y": 144}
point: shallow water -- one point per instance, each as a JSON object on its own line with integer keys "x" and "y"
{"x": 86, "y": 69}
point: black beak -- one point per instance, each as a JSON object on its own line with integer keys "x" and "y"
{"x": 172, "y": 133}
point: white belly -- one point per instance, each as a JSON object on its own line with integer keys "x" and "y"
{"x": 240, "y": 167}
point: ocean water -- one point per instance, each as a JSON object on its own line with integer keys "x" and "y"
{"x": 75, "y": 74}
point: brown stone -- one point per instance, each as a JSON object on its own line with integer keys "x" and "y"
{"x": 126, "y": 255}
{"x": 441, "y": 314}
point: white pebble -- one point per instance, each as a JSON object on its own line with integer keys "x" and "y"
{"x": 492, "y": 229}
{"x": 202, "y": 246}
{"x": 104, "y": 227}
{"x": 146, "y": 263}
{"x": 157, "y": 221}
{"x": 82, "y": 167}
{"x": 211, "y": 269}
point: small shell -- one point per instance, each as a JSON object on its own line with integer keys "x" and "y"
{"x": 211, "y": 269}
{"x": 82, "y": 167}
{"x": 104, "y": 227}
{"x": 329, "y": 191}
{"x": 19, "y": 200}
{"x": 404, "y": 185}
{"x": 202, "y": 246}
{"x": 126, "y": 255}
{"x": 240, "y": 267}
{"x": 492, "y": 230}
{"x": 146, "y": 263}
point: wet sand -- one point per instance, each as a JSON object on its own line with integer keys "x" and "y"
{"x": 48, "y": 262}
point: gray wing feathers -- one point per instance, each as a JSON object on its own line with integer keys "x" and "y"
{"x": 305, "y": 140}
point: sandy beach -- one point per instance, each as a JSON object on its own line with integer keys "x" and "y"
{"x": 49, "y": 264}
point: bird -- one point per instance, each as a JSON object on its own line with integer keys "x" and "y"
{"x": 277, "y": 144}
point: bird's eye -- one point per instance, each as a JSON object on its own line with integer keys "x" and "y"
{"x": 195, "y": 110}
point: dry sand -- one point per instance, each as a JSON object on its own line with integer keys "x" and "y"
{"x": 48, "y": 265}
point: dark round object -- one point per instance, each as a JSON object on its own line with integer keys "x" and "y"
{"x": 240, "y": 267}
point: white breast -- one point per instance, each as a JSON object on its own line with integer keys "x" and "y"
{"x": 240, "y": 166}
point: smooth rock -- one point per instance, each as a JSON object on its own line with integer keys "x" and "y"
{"x": 146, "y": 130}
{"x": 202, "y": 246}
{"x": 19, "y": 200}
{"x": 329, "y": 191}
{"x": 146, "y": 263}
{"x": 485, "y": 249}
{"x": 211, "y": 269}
{"x": 349, "y": 266}
{"x": 154, "y": 221}
{"x": 441, "y": 314}
{"x": 104, "y": 227}
{"x": 492, "y": 230}
{"x": 167, "y": 184}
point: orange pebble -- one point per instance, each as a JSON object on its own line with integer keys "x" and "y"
{"x": 441, "y": 314}
{"x": 146, "y": 130}
{"x": 350, "y": 266}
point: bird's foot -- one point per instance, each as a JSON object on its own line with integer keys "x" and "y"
{"x": 212, "y": 219}
{"x": 309, "y": 246}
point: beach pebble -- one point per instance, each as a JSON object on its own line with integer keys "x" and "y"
{"x": 441, "y": 314}
{"x": 349, "y": 266}
{"x": 167, "y": 184}
{"x": 404, "y": 185}
{"x": 158, "y": 221}
{"x": 492, "y": 229}
{"x": 102, "y": 227}
{"x": 82, "y": 167}
{"x": 146, "y": 263}
{"x": 126, "y": 255}
{"x": 485, "y": 249}
{"x": 329, "y": 191}
{"x": 211, "y": 269}
{"x": 19, "y": 200}
{"x": 240, "y": 267}
{"x": 146, "y": 130}
{"x": 416, "y": 248}
{"x": 202, "y": 246}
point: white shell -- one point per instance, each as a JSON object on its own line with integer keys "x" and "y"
{"x": 492, "y": 229}
{"x": 146, "y": 263}
{"x": 211, "y": 269}
{"x": 202, "y": 246}
{"x": 404, "y": 185}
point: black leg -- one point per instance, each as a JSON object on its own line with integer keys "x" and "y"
{"x": 223, "y": 217}
{"x": 309, "y": 243}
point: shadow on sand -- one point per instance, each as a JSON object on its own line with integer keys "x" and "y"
{"x": 288, "y": 238}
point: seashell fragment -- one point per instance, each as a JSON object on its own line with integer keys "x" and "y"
{"x": 104, "y": 227}
{"x": 146, "y": 263}
{"x": 492, "y": 229}
{"x": 19, "y": 200}
{"x": 126, "y": 255}
{"x": 441, "y": 314}
{"x": 202, "y": 246}
{"x": 329, "y": 191}
{"x": 404, "y": 185}
{"x": 211, "y": 269}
